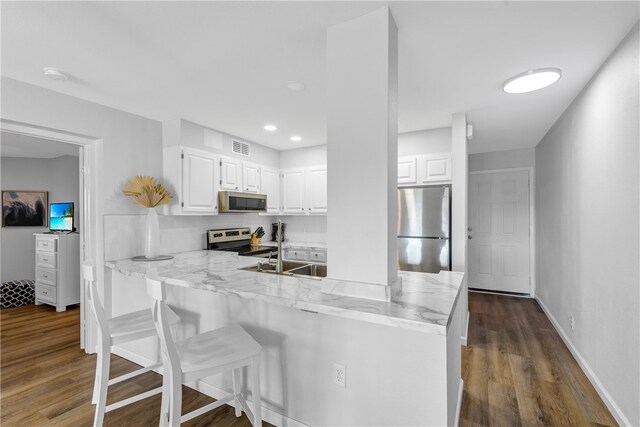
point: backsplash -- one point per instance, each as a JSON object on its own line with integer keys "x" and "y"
{"x": 124, "y": 234}
{"x": 305, "y": 228}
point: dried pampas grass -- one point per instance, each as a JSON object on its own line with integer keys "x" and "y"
{"x": 147, "y": 191}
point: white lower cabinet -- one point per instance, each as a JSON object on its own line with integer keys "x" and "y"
{"x": 305, "y": 254}
{"x": 57, "y": 270}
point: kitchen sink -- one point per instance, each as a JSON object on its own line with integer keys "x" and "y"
{"x": 291, "y": 268}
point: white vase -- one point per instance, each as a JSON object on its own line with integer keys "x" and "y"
{"x": 152, "y": 235}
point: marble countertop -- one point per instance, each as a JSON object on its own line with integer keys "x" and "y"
{"x": 424, "y": 304}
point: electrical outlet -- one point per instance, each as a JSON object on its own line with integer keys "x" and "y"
{"x": 340, "y": 375}
{"x": 572, "y": 322}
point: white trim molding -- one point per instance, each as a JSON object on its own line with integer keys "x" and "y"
{"x": 602, "y": 392}
{"x": 463, "y": 339}
{"x": 532, "y": 219}
{"x": 91, "y": 238}
{"x": 459, "y": 406}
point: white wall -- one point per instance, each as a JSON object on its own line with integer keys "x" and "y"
{"x": 588, "y": 255}
{"x": 525, "y": 157}
{"x": 59, "y": 177}
{"x": 424, "y": 141}
{"x": 303, "y": 157}
{"x": 362, "y": 136}
{"x": 132, "y": 145}
{"x": 183, "y": 132}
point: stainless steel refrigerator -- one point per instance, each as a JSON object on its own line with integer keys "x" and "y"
{"x": 424, "y": 229}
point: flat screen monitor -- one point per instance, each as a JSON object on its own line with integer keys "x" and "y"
{"x": 61, "y": 216}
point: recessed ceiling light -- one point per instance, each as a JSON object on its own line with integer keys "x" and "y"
{"x": 296, "y": 138}
{"x": 55, "y": 74}
{"x": 295, "y": 86}
{"x": 532, "y": 80}
{"x": 270, "y": 128}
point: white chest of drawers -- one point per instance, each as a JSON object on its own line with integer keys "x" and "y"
{"x": 58, "y": 270}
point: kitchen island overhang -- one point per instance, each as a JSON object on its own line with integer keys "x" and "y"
{"x": 402, "y": 357}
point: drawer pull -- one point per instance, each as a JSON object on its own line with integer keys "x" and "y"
{"x": 45, "y": 276}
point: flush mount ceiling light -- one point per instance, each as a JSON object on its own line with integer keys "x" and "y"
{"x": 532, "y": 80}
{"x": 296, "y": 138}
{"x": 270, "y": 128}
{"x": 295, "y": 86}
{"x": 55, "y": 74}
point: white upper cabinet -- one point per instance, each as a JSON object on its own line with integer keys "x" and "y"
{"x": 230, "y": 174}
{"x": 251, "y": 177}
{"x": 424, "y": 169}
{"x": 435, "y": 167}
{"x": 407, "y": 170}
{"x": 293, "y": 194}
{"x": 271, "y": 187}
{"x": 316, "y": 183}
{"x": 192, "y": 176}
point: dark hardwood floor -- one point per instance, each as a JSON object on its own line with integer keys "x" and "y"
{"x": 516, "y": 371}
{"x": 46, "y": 379}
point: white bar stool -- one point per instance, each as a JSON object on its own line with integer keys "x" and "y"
{"x": 115, "y": 331}
{"x": 226, "y": 349}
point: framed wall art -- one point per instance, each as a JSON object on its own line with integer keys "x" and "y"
{"x": 24, "y": 208}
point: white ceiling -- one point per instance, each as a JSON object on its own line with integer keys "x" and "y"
{"x": 224, "y": 64}
{"x": 12, "y": 145}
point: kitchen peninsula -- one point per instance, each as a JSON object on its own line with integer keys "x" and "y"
{"x": 402, "y": 357}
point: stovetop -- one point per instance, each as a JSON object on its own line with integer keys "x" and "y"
{"x": 235, "y": 240}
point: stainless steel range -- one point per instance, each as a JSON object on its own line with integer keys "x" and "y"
{"x": 236, "y": 240}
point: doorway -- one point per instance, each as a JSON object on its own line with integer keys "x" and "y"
{"x": 500, "y": 238}
{"x": 88, "y": 209}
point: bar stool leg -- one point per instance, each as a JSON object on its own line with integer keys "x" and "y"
{"x": 96, "y": 381}
{"x": 102, "y": 375}
{"x": 175, "y": 401}
{"x": 164, "y": 406}
{"x": 257, "y": 404}
{"x": 237, "y": 387}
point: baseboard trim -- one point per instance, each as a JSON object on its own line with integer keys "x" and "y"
{"x": 463, "y": 339}
{"x": 602, "y": 392}
{"x": 268, "y": 415}
{"x": 503, "y": 294}
{"x": 459, "y": 406}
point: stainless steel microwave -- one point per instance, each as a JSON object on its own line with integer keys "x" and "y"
{"x": 236, "y": 202}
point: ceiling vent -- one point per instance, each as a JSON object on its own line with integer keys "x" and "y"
{"x": 240, "y": 147}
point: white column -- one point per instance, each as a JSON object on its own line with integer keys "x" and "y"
{"x": 362, "y": 146}
{"x": 459, "y": 224}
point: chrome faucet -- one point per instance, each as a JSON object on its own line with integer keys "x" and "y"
{"x": 279, "y": 238}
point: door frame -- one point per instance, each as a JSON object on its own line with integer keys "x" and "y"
{"x": 532, "y": 219}
{"x": 91, "y": 225}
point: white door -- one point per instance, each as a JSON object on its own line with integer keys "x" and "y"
{"x": 251, "y": 177}
{"x": 271, "y": 187}
{"x": 317, "y": 189}
{"x": 230, "y": 174}
{"x": 499, "y": 231}
{"x": 293, "y": 191}
{"x": 198, "y": 182}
